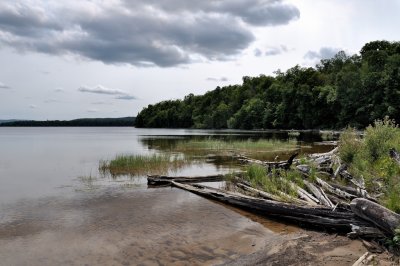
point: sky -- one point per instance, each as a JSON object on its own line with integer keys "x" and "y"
{"x": 111, "y": 58}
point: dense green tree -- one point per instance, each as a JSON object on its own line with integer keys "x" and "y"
{"x": 342, "y": 90}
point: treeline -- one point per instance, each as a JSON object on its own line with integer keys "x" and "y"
{"x": 343, "y": 90}
{"x": 82, "y": 122}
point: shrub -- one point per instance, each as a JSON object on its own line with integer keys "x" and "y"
{"x": 349, "y": 145}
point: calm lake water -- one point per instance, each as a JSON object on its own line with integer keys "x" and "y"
{"x": 56, "y": 208}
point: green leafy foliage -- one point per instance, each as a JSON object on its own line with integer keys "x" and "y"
{"x": 369, "y": 158}
{"x": 340, "y": 91}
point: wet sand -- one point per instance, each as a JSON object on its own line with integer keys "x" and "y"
{"x": 162, "y": 226}
{"x": 137, "y": 227}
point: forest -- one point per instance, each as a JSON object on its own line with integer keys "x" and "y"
{"x": 352, "y": 90}
{"x": 81, "y": 122}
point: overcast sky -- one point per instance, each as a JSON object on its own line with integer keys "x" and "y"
{"x": 111, "y": 58}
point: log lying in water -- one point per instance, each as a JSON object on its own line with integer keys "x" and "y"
{"x": 166, "y": 180}
{"x": 312, "y": 216}
{"x": 377, "y": 214}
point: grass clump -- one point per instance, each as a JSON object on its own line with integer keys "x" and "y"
{"x": 369, "y": 158}
{"x": 274, "y": 182}
{"x": 142, "y": 164}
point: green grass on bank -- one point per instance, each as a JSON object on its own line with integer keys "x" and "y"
{"x": 273, "y": 183}
{"x": 142, "y": 164}
{"x": 369, "y": 158}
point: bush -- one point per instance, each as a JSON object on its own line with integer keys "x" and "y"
{"x": 349, "y": 145}
{"x": 380, "y": 137}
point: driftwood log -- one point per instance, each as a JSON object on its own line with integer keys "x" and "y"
{"x": 270, "y": 165}
{"x": 322, "y": 217}
{"x": 382, "y": 217}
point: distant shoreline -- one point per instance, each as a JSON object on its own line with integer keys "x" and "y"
{"x": 82, "y": 122}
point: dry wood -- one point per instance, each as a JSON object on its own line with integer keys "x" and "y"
{"x": 270, "y": 165}
{"x": 304, "y": 195}
{"x": 365, "y": 232}
{"x": 382, "y": 217}
{"x": 329, "y": 153}
{"x": 338, "y": 192}
{"x": 259, "y": 193}
{"x": 365, "y": 259}
{"x": 313, "y": 216}
{"x": 166, "y": 180}
{"x": 319, "y": 194}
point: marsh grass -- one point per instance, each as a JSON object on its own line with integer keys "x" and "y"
{"x": 236, "y": 145}
{"x": 143, "y": 164}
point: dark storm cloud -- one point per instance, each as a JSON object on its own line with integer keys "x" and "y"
{"x": 138, "y": 32}
{"x": 323, "y": 53}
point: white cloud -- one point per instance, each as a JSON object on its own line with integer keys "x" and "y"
{"x": 4, "y": 86}
{"x": 100, "y": 89}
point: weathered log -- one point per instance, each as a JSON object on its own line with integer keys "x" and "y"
{"x": 354, "y": 191}
{"x": 382, "y": 217}
{"x": 304, "y": 168}
{"x": 313, "y": 216}
{"x": 166, "y": 180}
{"x": 329, "y": 153}
{"x": 365, "y": 259}
{"x": 270, "y": 165}
{"x": 304, "y": 195}
{"x": 319, "y": 194}
{"x": 365, "y": 232}
{"x": 259, "y": 193}
{"x": 338, "y": 192}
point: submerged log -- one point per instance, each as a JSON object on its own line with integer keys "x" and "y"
{"x": 377, "y": 214}
{"x": 166, "y": 180}
{"x": 313, "y": 216}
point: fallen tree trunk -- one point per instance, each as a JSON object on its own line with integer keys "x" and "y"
{"x": 377, "y": 214}
{"x": 321, "y": 217}
{"x": 166, "y": 180}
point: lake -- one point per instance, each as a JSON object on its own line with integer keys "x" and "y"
{"x": 56, "y": 208}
